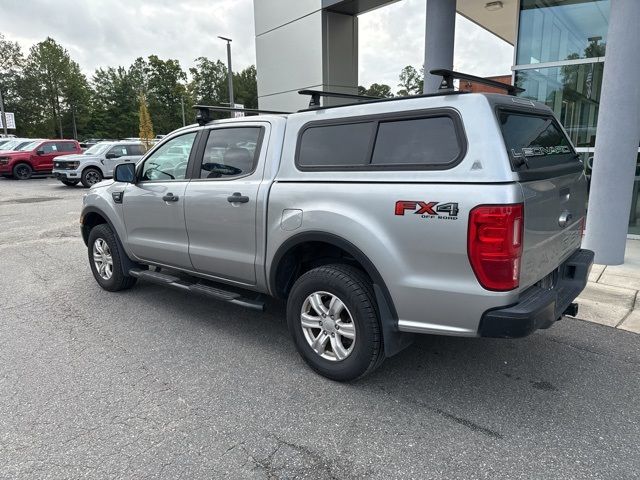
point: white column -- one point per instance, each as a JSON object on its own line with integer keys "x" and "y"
{"x": 617, "y": 137}
{"x": 439, "y": 40}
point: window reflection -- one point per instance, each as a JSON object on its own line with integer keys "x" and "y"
{"x": 572, "y": 91}
{"x": 555, "y": 30}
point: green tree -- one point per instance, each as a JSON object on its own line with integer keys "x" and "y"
{"x": 146, "y": 126}
{"x": 77, "y": 97}
{"x": 115, "y": 103}
{"x": 208, "y": 84}
{"x": 376, "y": 90}
{"x": 165, "y": 92}
{"x": 52, "y": 87}
{"x": 245, "y": 87}
{"x": 11, "y": 61}
{"x": 411, "y": 81}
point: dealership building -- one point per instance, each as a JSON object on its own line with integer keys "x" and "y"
{"x": 580, "y": 57}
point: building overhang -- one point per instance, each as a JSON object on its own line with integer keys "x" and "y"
{"x": 499, "y": 19}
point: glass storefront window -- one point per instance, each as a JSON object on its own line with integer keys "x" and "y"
{"x": 634, "y": 217}
{"x": 556, "y": 30}
{"x": 572, "y": 91}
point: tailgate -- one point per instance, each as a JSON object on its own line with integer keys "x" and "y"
{"x": 554, "y": 188}
{"x": 554, "y": 210}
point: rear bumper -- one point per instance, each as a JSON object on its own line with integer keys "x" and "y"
{"x": 539, "y": 307}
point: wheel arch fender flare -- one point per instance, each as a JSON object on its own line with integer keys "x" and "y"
{"x": 125, "y": 261}
{"x": 394, "y": 340}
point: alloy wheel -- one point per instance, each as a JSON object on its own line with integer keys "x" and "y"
{"x": 102, "y": 259}
{"x": 92, "y": 177}
{"x": 328, "y": 326}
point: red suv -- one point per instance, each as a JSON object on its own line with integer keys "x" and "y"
{"x": 36, "y": 157}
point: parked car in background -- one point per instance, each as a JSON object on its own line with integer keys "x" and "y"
{"x": 3, "y": 141}
{"x": 35, "y": 157}
{"x": 13, "y": 144}
{"x": 96, "y": 163}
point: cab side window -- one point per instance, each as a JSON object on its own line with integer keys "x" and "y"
{"x": 49, "y": 148}
{"x": 117, "y": 151}
{"x": 135, "y": 150}
{"x": 65, "y": 146}
{"x": 170, "y": 161}
{"x": 230, "y": 152}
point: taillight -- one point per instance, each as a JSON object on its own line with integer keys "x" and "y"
{"x": 495, "y": 245}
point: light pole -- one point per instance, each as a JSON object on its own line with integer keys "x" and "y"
{"x": 2, "y": 115}
{"x": 229, "y": 71}
{"x": 184, "y": 122}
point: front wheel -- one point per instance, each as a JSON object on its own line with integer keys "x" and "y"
{"x": 91, "y": 176}
{"x": 22, "y": 171}
{"x": 104, "y": 259}
{"x": 332, "y": 317}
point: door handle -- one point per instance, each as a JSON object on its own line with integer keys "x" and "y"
{"x": 170, "y": 197}
{"x": 237, "y": 198}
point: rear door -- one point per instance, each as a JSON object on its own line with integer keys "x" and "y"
{"x": 154, "y": 206}
{"x": 554, "y": 187}
{"x": 221, "y": 202}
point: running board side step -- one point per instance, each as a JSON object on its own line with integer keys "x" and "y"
{"x": 201, "y": 288}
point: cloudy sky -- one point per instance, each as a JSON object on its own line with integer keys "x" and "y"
{"x": 100, "y": 33}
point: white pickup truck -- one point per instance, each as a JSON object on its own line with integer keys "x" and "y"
{"x": 96, "y": 163}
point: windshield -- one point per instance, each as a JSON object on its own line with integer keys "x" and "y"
{"x": 97, "y": 149}
{"x": 30, "y": 146}
{"x": 9, "y": 145}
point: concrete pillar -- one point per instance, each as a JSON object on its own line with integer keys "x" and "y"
{"x": 301, "y": 45}
{"x": 617, "y": 137}
{"x": 439, "y": 40}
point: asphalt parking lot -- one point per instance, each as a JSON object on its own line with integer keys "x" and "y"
{"x": 153, "y": 383}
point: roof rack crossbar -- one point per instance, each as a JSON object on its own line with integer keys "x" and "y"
{"x": 203, "y": 112}
{"x": 314, "y": 102}
{"x": 449, "y": 75}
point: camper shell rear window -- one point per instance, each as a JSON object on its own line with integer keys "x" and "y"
{"x": 535, "y": 141}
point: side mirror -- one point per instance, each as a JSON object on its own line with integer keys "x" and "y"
{"x": 40, "y": 152}
{"x": 111, "y": 155}
{"x": 125, "y": 172}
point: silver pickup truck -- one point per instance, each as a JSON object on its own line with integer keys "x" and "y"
{"x": 96, "y": 163}
{"x": 451, "y": 214}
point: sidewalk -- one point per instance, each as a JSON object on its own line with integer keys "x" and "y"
{"x": 611, "y": 296}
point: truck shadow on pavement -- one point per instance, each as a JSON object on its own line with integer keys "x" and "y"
{"x": 486, "y": 386}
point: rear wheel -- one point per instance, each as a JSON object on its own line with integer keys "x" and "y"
{"x": 70, "y": 183}
{"x": 91, "y": 176}
{"x": 332, "y": 317}
{"x": 22, "y": 171}
{"x": 104, "y": 259}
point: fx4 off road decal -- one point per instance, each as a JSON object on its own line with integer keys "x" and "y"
{"x": 444, "y": 211}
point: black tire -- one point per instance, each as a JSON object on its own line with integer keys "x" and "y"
{"x": 353, "y": 288}
{"x": 70, "y": 183}
{"x": 22, "y": 171}
{"x": 118, "y": 280}
{"x": 91, "y": 176}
